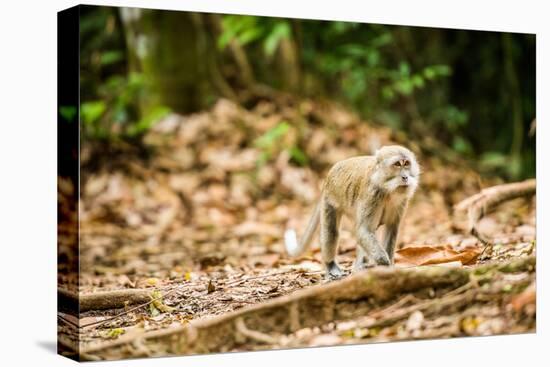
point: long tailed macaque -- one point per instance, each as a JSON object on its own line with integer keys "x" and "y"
{"x": 372, "y": 191}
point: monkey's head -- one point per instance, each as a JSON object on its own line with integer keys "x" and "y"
{"x": 397, "y": 169}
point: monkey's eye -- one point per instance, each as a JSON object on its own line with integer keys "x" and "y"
{"x": 407, "y": 163}
{"x": 397, "y": 164}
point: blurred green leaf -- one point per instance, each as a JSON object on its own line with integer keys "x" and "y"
{"x": 417, "y": 81}
{"x": 224, "y": 39}
{"x": 404, "y": 86}
{"x": 434, "y": 71}
{"x": 249, "y": 35}
{"x": 244, "y": 29}
{"x": 92, "y": 111}
{"x": 382, "y": 40}
{"x": 354, "y": 50}
{"x": 269, "y": 138}
{"x": 515, "y": 167}
{"x": 388, "y": 93}
{"x": 298, "y": 156}
{"x": 148, "y": 120}
{"x": 68, "y": 112}
{"x": 404, "y": 69}
{"x": 493, "y": 160}
{"x": 462, "y": 146}
{"x": 268, "y": 143}
{"x": 373, "y": 58}
{"x": 280, "y": 31}
{"x": 111, "y": 57}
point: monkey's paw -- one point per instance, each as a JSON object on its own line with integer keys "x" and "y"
{"x": 334, "y": 272}
{"x": 383, "y": 259}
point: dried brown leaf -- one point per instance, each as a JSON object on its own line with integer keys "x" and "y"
{"x": 429, "y": 255}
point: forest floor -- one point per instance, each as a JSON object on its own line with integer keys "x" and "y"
{"x": 195, "y": 218}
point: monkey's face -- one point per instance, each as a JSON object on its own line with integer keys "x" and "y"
{"x": 398, "y": 169}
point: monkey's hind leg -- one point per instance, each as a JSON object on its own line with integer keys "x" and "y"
{"x": 360, "y": 259}
{"x": 330, "y": 218}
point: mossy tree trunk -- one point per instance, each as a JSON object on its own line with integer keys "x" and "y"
{"x": 173, "y": 52}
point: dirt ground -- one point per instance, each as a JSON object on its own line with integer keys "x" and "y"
{"x": 198, "y": 214}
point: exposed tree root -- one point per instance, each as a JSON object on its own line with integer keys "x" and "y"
{"x": 252, "y": 334}
{"x": 352, "y": 297}
{"x": 480, "y": 204}
{"x": 457, "y": 295}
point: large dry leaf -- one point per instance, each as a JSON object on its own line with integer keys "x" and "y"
{"x": 429, "y": 255}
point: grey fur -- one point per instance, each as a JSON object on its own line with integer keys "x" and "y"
{"x": 373, "y": 191}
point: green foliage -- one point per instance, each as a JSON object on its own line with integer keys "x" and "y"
{"x": 298, "y": 155}
{"x": 453, "y": 118}
{"x": 148, "y": 120}
{"x": 111, "y": 57}
{"x": 244, "y": 29}
{"x": 273, "y": 141}
{"x": 353, "y": 60}
{"x": 268, "y": 142}
{"x": 501, "y": 163}
{"x": 280, "y": 31}
{"x": 461, "y": 145}
{"x": 111, "y": 96}
{"x": 92, "y": 111}
{"x": 249, "y": 29}
{"x": 90, "y": 115}
{"x": 404, "y": 82}
{"x": 117, "y": 113}
{"x": 68, "y": 112}
{"x": 269, "y": 139}
{"x": 472, "y": 91}
{"x": 357, "y": 62}
{"x": 493, "y": 160}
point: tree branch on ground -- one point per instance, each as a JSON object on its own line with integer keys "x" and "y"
{"x": 478, "y": 205}
{"x": 105, "y": 300}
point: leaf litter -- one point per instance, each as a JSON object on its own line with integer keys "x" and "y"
{"x": 198, "y": 213}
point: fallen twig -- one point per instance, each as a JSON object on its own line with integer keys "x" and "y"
{"x": 110, "y": 300}
{"x": 103, "y": 300}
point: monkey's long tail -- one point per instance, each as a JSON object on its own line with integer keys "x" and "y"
{"x": 295, "y": 248}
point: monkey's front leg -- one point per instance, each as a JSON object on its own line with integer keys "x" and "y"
{"x": 328, "y": 236}
{"x": 390, "y": 236}
{"x": 370, "y": 252}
